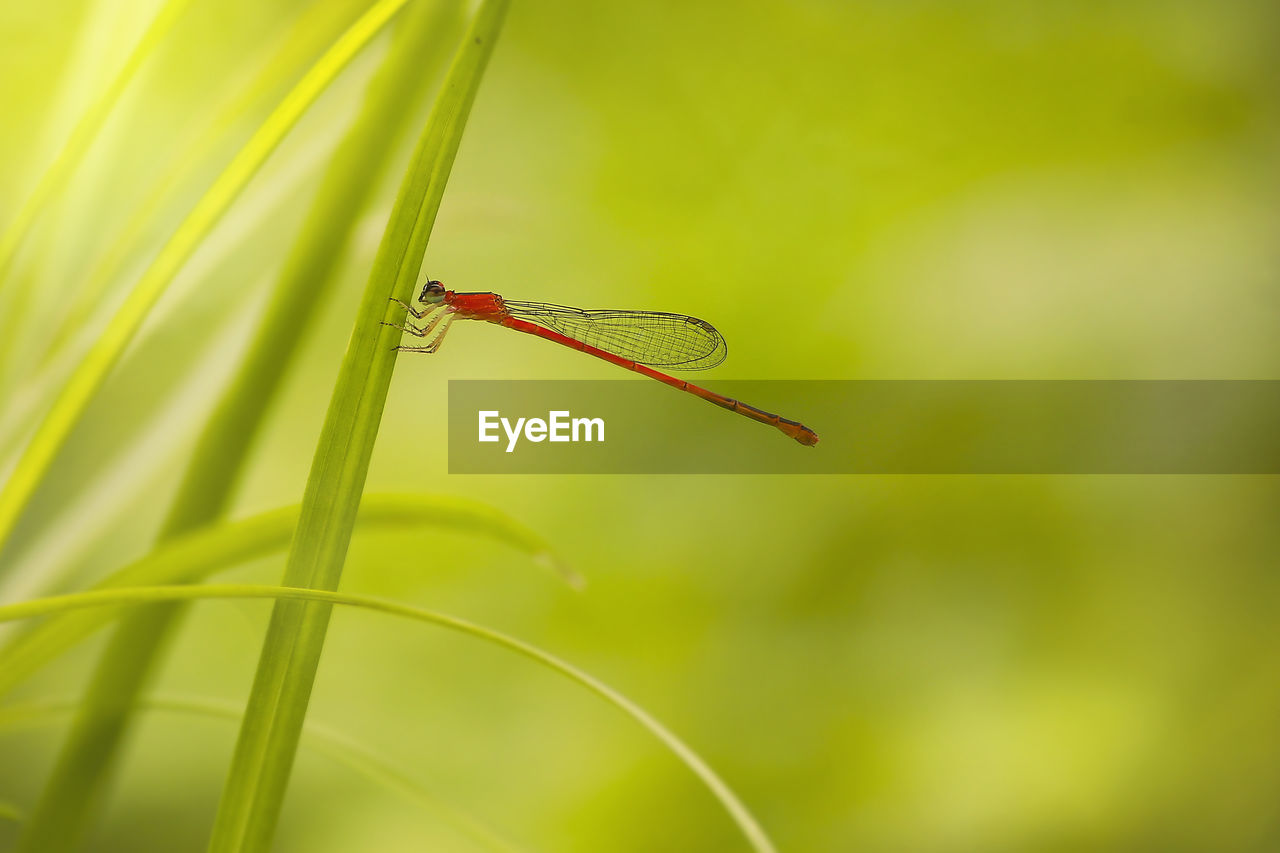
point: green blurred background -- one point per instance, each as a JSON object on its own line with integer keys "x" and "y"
{"x": 924, "y": 189}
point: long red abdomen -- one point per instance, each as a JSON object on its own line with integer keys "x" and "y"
{"x": 794, "y": 429}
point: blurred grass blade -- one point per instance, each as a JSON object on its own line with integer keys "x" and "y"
{"x": 308, "y": 275}
{"x": 196, "y": 556}
{"x": 82, "y": 135}
{"x": 745, "y": 822}
{"x": 82, "y": 385}
{"x": 307, "y": 34}
{"x": 93, "y": 744}
{"x": 255, "y": 786}
{"x": 322, "y": 739}
{"x": 10, "y": 812}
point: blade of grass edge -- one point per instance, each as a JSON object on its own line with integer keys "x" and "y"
{"x": 198, "y": 555}
{"x": 97, "y": 364}
{"x": 263, "y": 759}
{"x": 81, "y": 775}
{"x": 742, "y": 818}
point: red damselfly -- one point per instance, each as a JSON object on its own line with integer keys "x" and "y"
{"x": 635, "y": 340}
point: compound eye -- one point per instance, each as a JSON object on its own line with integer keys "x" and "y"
{"x": 432, "y": 291}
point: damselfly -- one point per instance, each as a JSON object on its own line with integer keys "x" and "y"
{"x": 635, "y": 340}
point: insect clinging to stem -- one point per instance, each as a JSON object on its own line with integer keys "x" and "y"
{"x": 634, "y": 340}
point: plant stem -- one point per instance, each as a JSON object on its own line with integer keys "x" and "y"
{"x": 260, "y": 769}
{"x": 82, "y": 771}
{"x": 743, "y": 818}
{"x": 196, "y": 556}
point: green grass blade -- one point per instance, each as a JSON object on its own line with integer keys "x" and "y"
{"x": 263, "y": 759}
{"x": 307, "y": 34}
{"x": 196, "y": 556}
{"x": 307, "y": 277}
{"x": 745, "y": 822}
{"x": 92, "y": 746}
{"x": 322, "y": 739}
{"x": 10, "y": 812}
{"x": 82, "y": 385}
{"x": 82, "y": 135}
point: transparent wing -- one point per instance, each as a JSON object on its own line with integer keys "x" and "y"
{"x": 654, "y": 338}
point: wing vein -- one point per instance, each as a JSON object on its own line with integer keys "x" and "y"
{"x": 654, "y": 338}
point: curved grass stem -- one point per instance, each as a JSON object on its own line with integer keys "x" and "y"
{"x": 745, "y": 822}
{"x": 194, "y": 557}
{"x": 263, "y": 760}
{"x": 133, "y": 653}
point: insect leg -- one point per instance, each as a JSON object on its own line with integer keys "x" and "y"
{"x": 439, "y": 338}
{"x": 414, "y": 311}
{"x": 420, "y": 332}
{"x": 434, "y": 344}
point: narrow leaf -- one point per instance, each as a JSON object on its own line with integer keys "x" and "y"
{"x": 745, "y": 822}
{"x": 196, "y": 556}
{"x": 92, "y": 746}
{"x": 263, "y": 759}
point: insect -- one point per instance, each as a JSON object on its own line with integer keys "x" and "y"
{"x": 635, "y": 340}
